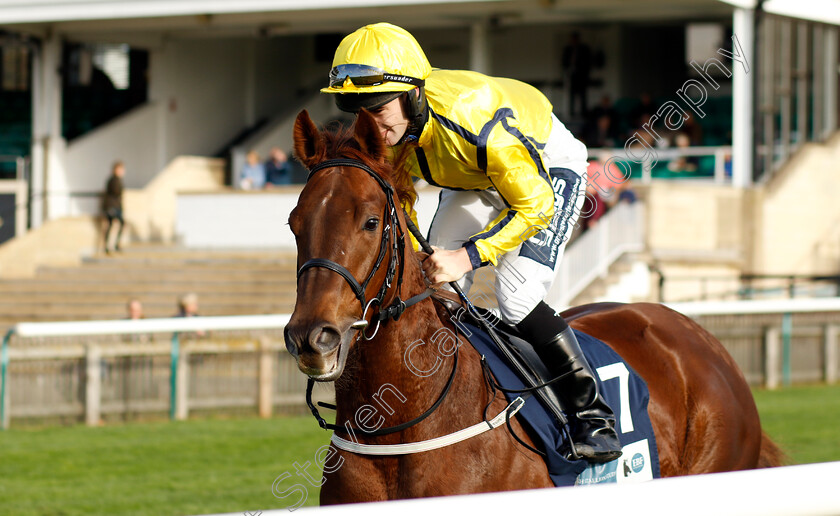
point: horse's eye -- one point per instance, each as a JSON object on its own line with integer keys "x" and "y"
{"x": 371, "y": 224}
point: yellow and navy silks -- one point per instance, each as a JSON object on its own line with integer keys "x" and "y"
{"x": 485, "y": 132}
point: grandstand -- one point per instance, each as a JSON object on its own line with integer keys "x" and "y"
{"x": 181, "y": 92}
{"x": 227, "y": 283}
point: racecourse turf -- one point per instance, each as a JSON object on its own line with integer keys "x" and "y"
{"x": 230, "y": 465}
{"x": 804, "y": 421}
{"x": 161, "y": 468}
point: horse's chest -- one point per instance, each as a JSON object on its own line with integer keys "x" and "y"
{"x": 364, "y": 479}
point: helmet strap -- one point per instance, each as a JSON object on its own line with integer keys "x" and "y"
{"x": 417, "y": 111}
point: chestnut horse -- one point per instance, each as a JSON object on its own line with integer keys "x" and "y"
{"x": 703, "y": 414}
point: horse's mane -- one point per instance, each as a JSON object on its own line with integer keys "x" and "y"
{"x": 340, "y": 143}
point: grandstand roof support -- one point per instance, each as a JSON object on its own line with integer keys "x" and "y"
{"x": 831, "y": 79}
{"x": 743, "y": 100}
{"x": 480, "y": 47}
{"x": 47, "y": 142}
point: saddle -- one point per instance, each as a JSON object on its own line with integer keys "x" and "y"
{"x": 623, "y": 389}
{"x": 528, "y": 365}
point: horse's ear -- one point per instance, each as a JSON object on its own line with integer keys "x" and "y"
{"x": 369, "y": 136}
{"x": 309, "y": 144}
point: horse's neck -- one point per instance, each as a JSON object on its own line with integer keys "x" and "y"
{"x": 402, "y": 365}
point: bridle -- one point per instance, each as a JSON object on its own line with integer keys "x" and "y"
{"x": 393, "y": 238}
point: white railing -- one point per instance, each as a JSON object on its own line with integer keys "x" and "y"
{"x": 93, "y": 354}
{"x": 719, "y": 152}
{"x": 762, "y": 306}
{"x": 777, "y": 340}
{"x": 806, "y": 490}
{"x": 619, "y": 231}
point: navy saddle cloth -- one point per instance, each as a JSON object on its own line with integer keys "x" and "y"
{"x": 624, "y": 391}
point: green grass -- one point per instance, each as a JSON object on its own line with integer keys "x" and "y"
{"x": 215, "y": 465}
{"x": 804, "y": 421}
{"x": 191, "y": 467}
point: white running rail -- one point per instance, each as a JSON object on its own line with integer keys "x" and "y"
{"x": 761, "y": 306}
{"x": 129, "y": 327}
{"x": 808, "y": 490}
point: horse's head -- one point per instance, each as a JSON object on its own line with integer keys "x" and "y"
{"x": 345, "y": 226}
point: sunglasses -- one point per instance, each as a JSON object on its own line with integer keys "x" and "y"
{"x": 365, "y": 75}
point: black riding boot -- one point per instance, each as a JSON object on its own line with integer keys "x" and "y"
{"x": 554, "y": 341}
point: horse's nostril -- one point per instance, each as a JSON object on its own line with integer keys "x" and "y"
{"x": 291, "y": 342}
{"x": 327, "y": 339}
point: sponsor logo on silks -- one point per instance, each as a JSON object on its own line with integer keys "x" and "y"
{"x": 544, "y": 246}
{"x": 632, "y": 466}
{"x": 637, "y": 463}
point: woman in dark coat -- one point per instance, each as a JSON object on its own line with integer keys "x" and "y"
{"x": 113, "y": 203}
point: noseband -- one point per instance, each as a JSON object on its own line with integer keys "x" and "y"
{"x": 392, "y": 237}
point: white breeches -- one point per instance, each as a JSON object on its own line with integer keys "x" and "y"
{"x": 525, "y": 274}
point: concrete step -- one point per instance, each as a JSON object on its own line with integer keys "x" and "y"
{"x": 165, "y": 274}
{"x": 85, "y": 308}
{"x": 227, "y": 282}
{"x": 169, "y": 308}
{"x": 164, "y": 252}
{"x": 199, "y": 261}
{"x": 132, "y": 287}
{"x": 7, "y": 321}
{"x": 598, "y": 288}
{"x": 147, "y": 298}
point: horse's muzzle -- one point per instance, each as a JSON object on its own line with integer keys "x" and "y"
{"x": 317, "y": 349}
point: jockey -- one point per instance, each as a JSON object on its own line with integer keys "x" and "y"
{"x": 513, "y": 180}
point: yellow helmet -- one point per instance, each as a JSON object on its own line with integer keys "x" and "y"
{"x": 374, "y": 65}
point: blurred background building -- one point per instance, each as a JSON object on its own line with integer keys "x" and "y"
{"x": 737, "y": 192}
{"x": 723, "y": 113}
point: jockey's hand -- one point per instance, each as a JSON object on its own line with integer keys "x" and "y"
{"x": 444, "y": 266}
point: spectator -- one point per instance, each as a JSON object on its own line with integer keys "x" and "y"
{"x": 602, "y": 125}
{"x": 694, "y": 131}
{"x": 622, "y": 192}
{"x": 626, "y": 193}
{"x": 683, "y": 164}
{"x": 277, "y": 169}
{"x": 134, "y": 312}
{"x": 594, "y": 207}
{"x": 603, "y": 132}
{"x": 112, "y": 204}
{"x": 577, "y": 63}
{"x": 253, "y": 173}
{"x": 188, "y": 307}
{"x": 641, "y": 114}
{"x": 134, "y": 309}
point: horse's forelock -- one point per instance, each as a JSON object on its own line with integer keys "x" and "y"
{"x": 341, "y": 143}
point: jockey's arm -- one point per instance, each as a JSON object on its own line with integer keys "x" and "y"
{"x": 531, "y": 206}
{"x": 519, "y": 176}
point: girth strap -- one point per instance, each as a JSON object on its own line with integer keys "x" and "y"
{"x": 431, "y": 444}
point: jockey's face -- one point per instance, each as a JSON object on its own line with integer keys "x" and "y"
{"x": 391, "y": 120}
